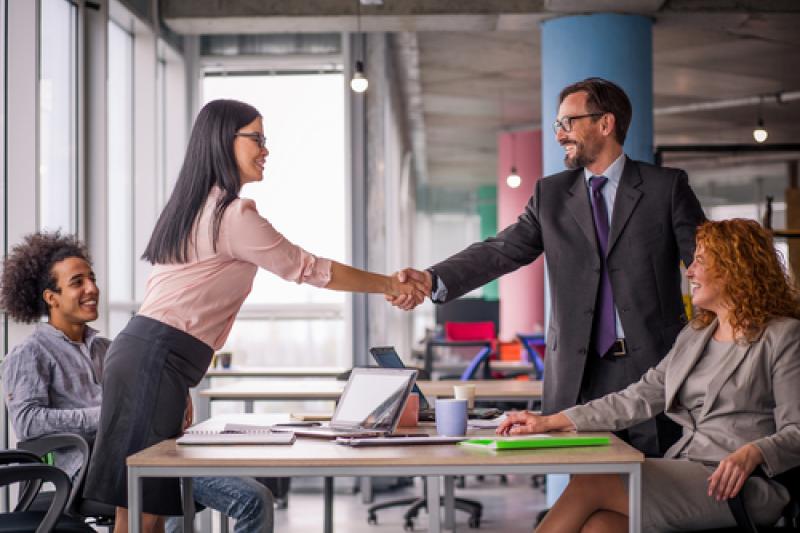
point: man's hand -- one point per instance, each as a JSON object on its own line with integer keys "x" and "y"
{"x": 188, "y": 414}
{"x": 729, "y": 477}
{"x": 422, "y": 282}
{"x": 524, "y": 422}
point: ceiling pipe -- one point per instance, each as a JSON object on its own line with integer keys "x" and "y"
{"x": 776, "y": 98}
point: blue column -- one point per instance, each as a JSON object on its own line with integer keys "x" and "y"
{"x": 618, "y": 48}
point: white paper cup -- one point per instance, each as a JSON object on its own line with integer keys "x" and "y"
{"x": 465, "y": 392}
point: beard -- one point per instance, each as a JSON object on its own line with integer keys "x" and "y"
{"x": 585, "y": 154}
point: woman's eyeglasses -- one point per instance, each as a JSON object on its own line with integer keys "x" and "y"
{"x": 257, "y": 137}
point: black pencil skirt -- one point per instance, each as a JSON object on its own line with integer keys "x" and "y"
{"x": 149, "y": 369}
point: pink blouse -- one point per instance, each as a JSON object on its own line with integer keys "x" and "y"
{"x": 203, "y": 295}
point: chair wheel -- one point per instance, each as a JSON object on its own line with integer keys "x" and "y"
{"x": 372, "y": 518}
{"x": 409, "y": 525}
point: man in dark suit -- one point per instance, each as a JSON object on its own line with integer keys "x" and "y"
{"x": 613, "y": 232}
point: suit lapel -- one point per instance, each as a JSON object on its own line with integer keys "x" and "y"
{"x": 690, "y": 354}
{"x": 624, "y": 203}
{"x": 739, "y": 353}
{"x": 578, "y": 205}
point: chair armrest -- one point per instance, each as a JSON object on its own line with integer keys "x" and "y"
{"x": 47, "y": 443}
{"x": 40, "y": 473}
{"x": 743, "y": 520}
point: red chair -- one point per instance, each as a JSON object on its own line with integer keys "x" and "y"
{"x": 481, "y": 335}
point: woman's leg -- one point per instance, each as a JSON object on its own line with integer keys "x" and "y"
{"x": 151, "y": 523}
{"x": 585, "y": 495}
{"x": 606, "y": 522}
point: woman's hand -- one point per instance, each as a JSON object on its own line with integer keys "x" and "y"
{"x": 729, "y": 477}
{"x": 524, "y": 422}
{"x": 411, "y": 291}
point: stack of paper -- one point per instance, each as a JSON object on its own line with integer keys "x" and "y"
{"x": 236, "y": 434}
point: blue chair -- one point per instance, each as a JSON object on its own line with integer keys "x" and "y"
{"x": 530, "y": 343}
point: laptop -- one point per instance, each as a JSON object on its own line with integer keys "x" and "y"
{"x": 387, "y": 357}
{"x": 370, "y": 405}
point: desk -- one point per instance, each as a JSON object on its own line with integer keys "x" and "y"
{"x": 315, "y": 457}
{"x": 307, "y": 389}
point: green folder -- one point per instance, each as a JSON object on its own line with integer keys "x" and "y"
{"x": 535, "y": 441}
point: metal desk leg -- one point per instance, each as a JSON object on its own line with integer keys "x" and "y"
{"x": 434, "y": 504}
{"x": 134, "y": 501}
{"x": 449, "y": 503}
{"x": 635, "y": 499}
{"x": 328, "y": 494}
{"x": 248, "y": 406}
{"x": 365, "y": 484}
{"x": 188, "y": 504}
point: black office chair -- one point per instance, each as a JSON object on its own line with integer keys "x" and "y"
{"x": 19, "y": 466}
{"x": 790, "y": 521}
{"x": 100, "y": 514}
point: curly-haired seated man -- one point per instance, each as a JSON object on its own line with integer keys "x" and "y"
{"x": 731, "y": 381}
{"x": 52, "y": 379}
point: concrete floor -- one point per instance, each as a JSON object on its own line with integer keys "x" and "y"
{"x": 507, "y": 508}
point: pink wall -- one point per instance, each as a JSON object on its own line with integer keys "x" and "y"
{"x": 521, "y": 292}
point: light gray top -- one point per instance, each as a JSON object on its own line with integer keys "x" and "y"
{"x": 692, "y": 394}
{"x": 53, "y": 384}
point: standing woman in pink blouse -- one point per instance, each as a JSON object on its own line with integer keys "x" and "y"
{"x": 205, "y": 249}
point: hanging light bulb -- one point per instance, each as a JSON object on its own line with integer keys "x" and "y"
{"x": 513, "y": 180}
{"x": 760, "y": 133}
{"x": 359, "y": 83}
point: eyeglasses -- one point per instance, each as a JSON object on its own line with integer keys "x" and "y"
{"x": 257, "y": 137}
{"x": 565, "y": 123}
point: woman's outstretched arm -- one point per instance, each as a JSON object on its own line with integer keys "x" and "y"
{"x": 347, "y": 278}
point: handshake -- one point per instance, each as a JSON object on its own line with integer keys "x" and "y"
{"x": 408, "y": 288}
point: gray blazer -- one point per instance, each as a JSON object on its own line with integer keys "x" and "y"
{"x": 755, "y": 399}
{"x": 652, "y": 228}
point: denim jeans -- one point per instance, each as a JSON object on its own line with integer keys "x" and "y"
{"x": 242, "y": 498}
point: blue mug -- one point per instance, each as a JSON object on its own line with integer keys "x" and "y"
{"x": 451, "y": 417}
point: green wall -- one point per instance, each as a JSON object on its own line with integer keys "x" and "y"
{"x": 487, "y": 211}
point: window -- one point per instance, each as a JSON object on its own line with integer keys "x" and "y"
{"x": 303, "y": 196}
{"x": 58, "y": 116}
{"x": 120, "y": 176}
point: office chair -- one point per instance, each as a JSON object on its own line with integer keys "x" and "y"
{"x": 530, "y": 343}
{"x": 475, "y": 509}
{"x": 100, "y": 514}
{"x": 790, "y": 521}
{"x": 479, "y": 335}
{"x": 23, "y": 466}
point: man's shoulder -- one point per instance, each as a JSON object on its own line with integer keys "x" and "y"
{"x": 29, "y": 349}
{"x": 561, "y": 180}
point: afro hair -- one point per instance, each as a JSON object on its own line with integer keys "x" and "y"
{"x": 27, "y": 272}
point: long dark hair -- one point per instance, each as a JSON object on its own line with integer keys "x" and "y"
{"x": 209, "y": 161}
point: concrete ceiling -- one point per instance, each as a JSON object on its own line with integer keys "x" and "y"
{"x": 477, "y": 64}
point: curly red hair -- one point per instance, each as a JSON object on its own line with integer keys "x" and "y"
{"x": 742, "y": 256}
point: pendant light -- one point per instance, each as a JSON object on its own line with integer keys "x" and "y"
{"x": 359, "y": 82}
{"x": 760, "y": 133}
{"x": 513, "y": 180}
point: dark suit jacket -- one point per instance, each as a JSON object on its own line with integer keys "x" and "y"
{"x": 652, "y": 228}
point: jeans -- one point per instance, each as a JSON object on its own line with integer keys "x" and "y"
{"x": 242, "y": 498}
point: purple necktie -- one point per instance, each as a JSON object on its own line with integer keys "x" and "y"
{"x": 604, "y": 327}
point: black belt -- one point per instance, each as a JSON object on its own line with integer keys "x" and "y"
{"x": 619, "y": 348}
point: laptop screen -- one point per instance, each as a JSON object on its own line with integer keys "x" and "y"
{"x": 387, "y": 357}
{"x": 373, "y": 398}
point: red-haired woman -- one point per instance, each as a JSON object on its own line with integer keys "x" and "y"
{"x": 732, "y": 381}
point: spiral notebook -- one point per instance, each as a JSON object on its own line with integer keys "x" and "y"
{"x": 236, "y": 434}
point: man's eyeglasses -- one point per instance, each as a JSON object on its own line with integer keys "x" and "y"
{"x": 257, "y": 137}
{"x": 565, "y": 123}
